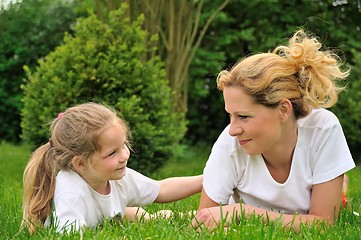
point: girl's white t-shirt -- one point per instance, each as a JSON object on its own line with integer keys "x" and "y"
{"x": 321, "y": 154}
{"x": 77, "y": 204}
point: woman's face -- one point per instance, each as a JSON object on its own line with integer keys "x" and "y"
{"x": 258, "y": 128}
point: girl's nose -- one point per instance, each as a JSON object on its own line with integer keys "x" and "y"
{"x": 125, "y": 155}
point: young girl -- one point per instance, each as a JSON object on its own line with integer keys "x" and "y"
{"x": 283, "y": 156}
{"x": 79, "y": 178}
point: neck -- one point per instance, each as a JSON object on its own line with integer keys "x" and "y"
{"x": 102, "y": 187}
{"x": 281, "y": 155}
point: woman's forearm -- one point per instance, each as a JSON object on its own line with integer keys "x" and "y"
{"x": 293, "y": 221}
{"x": 212, "y": 216}
{"x": 235, "y": 211}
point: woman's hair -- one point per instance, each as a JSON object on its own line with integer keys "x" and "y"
{"x": 73, "y": 133}
{"x": 300, "y": 72}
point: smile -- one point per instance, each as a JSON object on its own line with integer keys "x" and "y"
{"x": 118, "y": 169}
{"x": 243, "y": 142}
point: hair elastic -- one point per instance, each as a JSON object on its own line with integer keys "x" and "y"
{"x": 60, "y": 116}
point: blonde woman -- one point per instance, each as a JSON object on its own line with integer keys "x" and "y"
{"x": 283, "y": 156}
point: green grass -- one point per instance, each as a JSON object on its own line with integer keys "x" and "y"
{"x": 13, "y": 160}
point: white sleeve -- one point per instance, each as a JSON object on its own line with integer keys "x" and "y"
{"x": 141, "y": 190}
{"x": 220, "y": 173}
{"x": 69, "y": 213}
{"x": 332, "y": 155}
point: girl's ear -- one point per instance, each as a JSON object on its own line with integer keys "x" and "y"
{"x": 78, "y": 164}
{"x": 286, "y": 109}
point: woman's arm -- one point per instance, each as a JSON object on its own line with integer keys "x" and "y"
{"x": 205, "y": 201}
{"x": 325, "y": 205}
{"x": 176, "y": 188}
{"x": 325, "y": 199}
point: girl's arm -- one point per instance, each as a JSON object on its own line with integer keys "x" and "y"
{"x": 325, "y": 205}
{"x": 138, "y": 213}
{"x": 176, "y": 188}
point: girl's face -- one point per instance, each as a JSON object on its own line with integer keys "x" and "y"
{"x": 110, "y": 163}
{"x": 257, "y": 127}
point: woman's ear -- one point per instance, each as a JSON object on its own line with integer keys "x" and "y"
{"x": 286, "y": 109}
{"x": 78, "y": 164}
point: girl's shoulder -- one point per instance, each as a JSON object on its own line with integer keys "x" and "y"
{"x": 69, "y": 182}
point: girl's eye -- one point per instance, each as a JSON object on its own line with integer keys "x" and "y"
{"x": 112, "y": 153}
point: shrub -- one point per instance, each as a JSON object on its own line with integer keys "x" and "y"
{"x": 28, "y": 30}
{"x": 103, "y": 62}
{"x": 348, "y": 109}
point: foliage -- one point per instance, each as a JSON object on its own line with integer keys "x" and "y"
{"x": 348, "y": 109}
{"x": 104, "y": 63}
{"x": 249, "y": 27}
{"x": 180, "y": 31}
{"x": 12, "y": 164}
{"x": 28, "y": 31}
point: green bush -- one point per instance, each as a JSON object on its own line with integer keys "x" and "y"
{"x": 28, "y": 30}
{"x": 104, "y": 62}
{"x": 348, "y": 109}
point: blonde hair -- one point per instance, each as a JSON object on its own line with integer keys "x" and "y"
{"x": 300, "y": 72}
{"x": 74, "y": 133}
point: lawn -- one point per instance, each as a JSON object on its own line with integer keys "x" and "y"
{"x": 13, "y": 160}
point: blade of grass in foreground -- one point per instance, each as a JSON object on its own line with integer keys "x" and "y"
{"x": 13, "y": 160}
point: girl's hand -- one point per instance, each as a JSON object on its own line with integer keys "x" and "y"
{"x": 162, "y": 214}
{"x": 136, "y": 213}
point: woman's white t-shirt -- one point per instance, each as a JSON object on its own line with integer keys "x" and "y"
{"x": 321, "y": 154}
{"x": 77, "y": 204}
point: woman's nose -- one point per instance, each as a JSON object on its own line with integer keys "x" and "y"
{"x": 235, "y": 129}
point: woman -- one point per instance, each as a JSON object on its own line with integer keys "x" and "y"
{"x": 283, "y": 155}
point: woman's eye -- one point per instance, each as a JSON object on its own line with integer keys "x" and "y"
{"x": 239, "y": 116}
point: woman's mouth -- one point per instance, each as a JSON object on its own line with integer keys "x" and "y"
{"x": 243, "y": 142}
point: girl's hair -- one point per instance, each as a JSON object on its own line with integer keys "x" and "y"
{"x": 73, "y": 133}
{"x": 300, "y": 72}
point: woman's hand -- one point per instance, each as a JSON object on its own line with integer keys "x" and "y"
{"x": 213, "y": 217}
{"x": 207, "y": 217}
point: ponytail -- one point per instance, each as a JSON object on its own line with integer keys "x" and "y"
{"x": 39, "y": 186}
{"x": 318, "y": 71}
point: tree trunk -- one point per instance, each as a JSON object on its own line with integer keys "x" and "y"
{"x": 177, "y": 23}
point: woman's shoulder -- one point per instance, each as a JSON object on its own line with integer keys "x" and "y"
{"x": 319, "y": 118}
